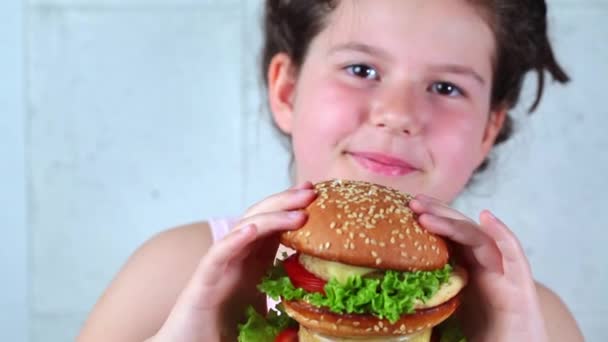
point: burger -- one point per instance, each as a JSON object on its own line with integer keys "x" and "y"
{"x": 363, "y": 270}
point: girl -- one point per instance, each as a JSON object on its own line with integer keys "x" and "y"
{"x": 412, "y": 94}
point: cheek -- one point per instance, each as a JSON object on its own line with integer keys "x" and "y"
{"x": 457, "y": 145}
{"x": 326, "y": 115}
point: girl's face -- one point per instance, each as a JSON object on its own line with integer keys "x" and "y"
{"x": 394, "y": 92}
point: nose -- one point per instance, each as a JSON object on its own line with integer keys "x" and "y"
{"x": 399, "y": 111}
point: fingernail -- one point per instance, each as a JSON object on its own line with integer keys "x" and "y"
{"x": 302, "y": 186}
{"x": 295, "y": 214}
{"x": 246, "y": 230}
{"x": 421, "y": 197}
{"x": 493, "y": 217}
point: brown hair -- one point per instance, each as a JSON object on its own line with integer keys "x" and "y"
{"x": 520, "y": 29}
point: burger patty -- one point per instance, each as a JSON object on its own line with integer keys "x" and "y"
{"x": 324, "y": 321}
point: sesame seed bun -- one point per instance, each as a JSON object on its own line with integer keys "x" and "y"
{"x": 369, "y": 225}
{"x": 324, "y": 321}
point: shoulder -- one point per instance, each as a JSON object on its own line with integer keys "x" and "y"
{"x": 559, "y": 321}
{"x": 147, "y": 286}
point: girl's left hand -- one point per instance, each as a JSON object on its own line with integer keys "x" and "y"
{"x": 500, "y": 302}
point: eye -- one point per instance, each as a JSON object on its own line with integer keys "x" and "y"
{"x": 446, "y": 89}
{"x": 362, "y": 71}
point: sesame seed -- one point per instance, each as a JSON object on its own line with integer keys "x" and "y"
{"x": 382, "y": 244}
{"x": 404, "y": 254}
{"x": 380, "y": 324}
{"x": 352, "y": 246}
{"x": 362, "y": 235}
{"x": 402, "y": 245}
{"x": 401, "y": 236}
{"x": 356, "y": 324}
{"x": 392, "y": 239}
{"x": 307, "y": 234}
{"x": 339, "y": 231}
{"x": 378, "y": 261}
{"x": 332, "y": 225}
{"x": 367, "y": 241}
{"x": 376, "y": 328}
{"x": 374, "y": 254}
{"x": 327, "y": 245}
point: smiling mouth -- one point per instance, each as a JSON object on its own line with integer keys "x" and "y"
{"x": 382, "y": 164}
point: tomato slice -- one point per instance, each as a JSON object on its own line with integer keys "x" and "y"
{"x": 300, "y": 277}
{"x": 287, "y": 335}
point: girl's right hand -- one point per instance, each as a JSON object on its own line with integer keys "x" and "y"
{"x": 214, "y": 301}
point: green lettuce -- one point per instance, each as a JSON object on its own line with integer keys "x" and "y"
{"x": 264, "y": 329}
{"x": 386, "y": 297}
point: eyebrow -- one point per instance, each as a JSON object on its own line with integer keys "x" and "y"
{"x": 459, "y": 69}
{"x": 359, "y": 47}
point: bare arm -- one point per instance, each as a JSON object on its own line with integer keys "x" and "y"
{"x": 560, "y": 324}
{"x": 139, "y": 299}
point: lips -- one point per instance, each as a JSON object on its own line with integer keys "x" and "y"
{"x": 382, "y": 164}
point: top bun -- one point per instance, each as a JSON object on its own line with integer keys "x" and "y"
{"x": 364, "y": 224}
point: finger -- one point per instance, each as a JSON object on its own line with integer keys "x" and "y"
{"x": 222, "y": 253}
{"x": 292, "y": 199}
{"x": 234, "y": 247}
{"x": 425, "y": 204}
{"x": 483, "y": 249}
{"x": 513, "y": 256}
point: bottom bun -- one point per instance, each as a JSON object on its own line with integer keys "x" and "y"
{"x": 305, "y": 335}
{"x": 323, "y": 321}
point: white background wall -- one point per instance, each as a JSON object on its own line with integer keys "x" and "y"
{"x": 13, "y": 228}
{"x": 139, "y": 115}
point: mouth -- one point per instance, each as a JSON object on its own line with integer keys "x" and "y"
{"x": 382, "y": 164}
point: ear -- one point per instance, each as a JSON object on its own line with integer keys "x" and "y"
{"x": 495, "y": 122}
{"x": 281, "y": 86}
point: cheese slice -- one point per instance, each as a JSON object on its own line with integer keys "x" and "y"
{"x": 447, "y": 291}
{"x": 305, "y": 335}
{"x": 330, "y": 269}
